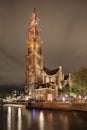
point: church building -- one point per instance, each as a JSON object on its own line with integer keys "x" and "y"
{"x": 41, "y": 83}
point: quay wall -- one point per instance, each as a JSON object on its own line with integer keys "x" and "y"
{"x": 59, "y": 106}
{"x": 14, "y": 105}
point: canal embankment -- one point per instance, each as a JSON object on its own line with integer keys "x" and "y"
{"x": 67, "y": 106}
{"x": 59, "y": 106}
{"x": 14, "y": 105}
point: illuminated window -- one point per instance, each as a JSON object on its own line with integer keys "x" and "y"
{"x": 47, "y": 79}
{"x": 29, "y": 93}
{"x": 53, "y": 79}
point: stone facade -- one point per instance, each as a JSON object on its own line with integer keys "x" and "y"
{"x": 40, "y": 81}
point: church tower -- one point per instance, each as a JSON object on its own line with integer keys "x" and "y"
{"x": 34, "y": 58}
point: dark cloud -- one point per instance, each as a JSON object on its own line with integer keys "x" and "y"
{"x": 64, "y": 35}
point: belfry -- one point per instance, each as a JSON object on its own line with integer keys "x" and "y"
{"x": 40, "y": 81}
{"x": 34, "y": 58}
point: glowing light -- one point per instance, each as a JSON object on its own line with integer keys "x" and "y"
{"x": 63, "y": 99}
{"x": 47, "y": 79}
{"x": 49, "y": 97}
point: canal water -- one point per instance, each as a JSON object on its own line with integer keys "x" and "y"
{"x": 37, "y": 119}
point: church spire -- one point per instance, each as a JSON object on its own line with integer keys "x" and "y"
{"x": 34, "y": 18}
{"x": 34, "y": 29}
{"x": 34, "y": 32}
{"x": 34, "y": 10}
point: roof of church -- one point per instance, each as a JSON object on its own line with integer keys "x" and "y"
{"x": 50, "y": 72}
{"x": 46, "y": 85}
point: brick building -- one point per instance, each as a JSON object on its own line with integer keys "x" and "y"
{"x": 41, "y": 82}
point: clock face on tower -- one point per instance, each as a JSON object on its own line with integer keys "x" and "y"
{"x": 34, "y": 22}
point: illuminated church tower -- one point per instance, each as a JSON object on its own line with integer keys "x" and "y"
{"x": 34, "y": 58}
{"x": 40, "y": 81}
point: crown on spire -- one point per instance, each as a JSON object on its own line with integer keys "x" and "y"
{"x": 34, "y": 16}
{"x": 34, "y": 10}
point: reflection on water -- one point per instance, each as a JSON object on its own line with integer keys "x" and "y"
{"x": 65, "y": 121}
{"x": 41, "y": 120}
{"x": 19, "y": 119}
{"x": 9, "y": 118}
{"x": 35, "y": 119}
{"x": 34, "y": 114}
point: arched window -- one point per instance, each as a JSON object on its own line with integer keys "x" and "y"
{"x": 47, "y": 79}
{"x": 53, "y": 79}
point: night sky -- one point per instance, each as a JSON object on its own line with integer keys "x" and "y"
{"x": 64, "y": 35}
